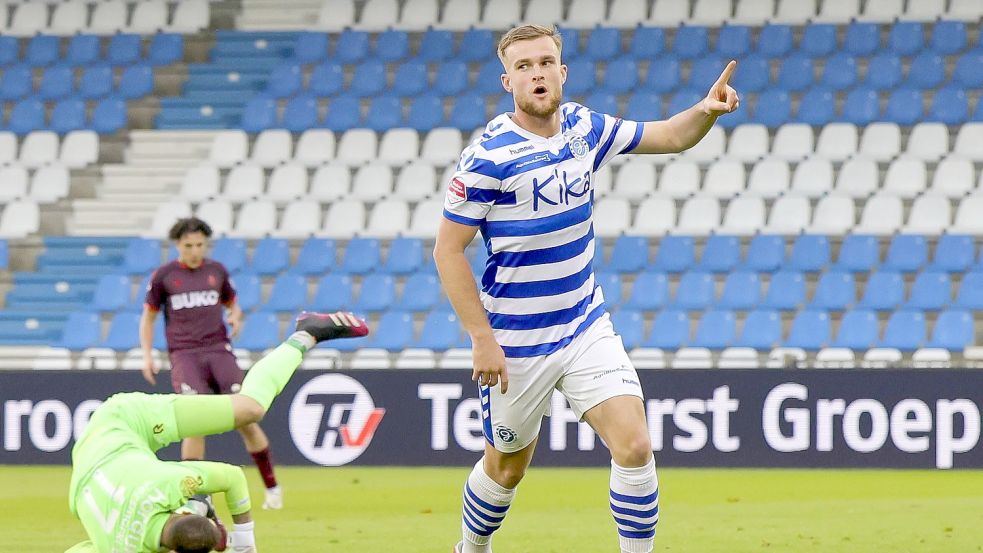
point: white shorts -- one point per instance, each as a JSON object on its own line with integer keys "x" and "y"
{"x": 592, "y": 368}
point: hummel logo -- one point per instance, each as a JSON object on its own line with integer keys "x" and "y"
{"x": 158, "y": 428}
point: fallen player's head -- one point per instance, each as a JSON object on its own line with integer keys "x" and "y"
{"x": 534, "y": 73}
{"x": 193, "y": 534}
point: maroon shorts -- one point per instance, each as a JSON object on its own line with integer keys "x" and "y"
{"x": 210, "y": 371}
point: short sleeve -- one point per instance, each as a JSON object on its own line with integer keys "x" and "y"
{"x": 470, "y": 193}
{"x": 228, "y": 294}
{"x": 155, "y": 291}
{"x": 617, "y": 136}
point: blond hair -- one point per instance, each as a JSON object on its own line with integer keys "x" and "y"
{"x": 528, "y": 32}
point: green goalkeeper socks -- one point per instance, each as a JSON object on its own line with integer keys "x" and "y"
{"x": 267, "y": 378}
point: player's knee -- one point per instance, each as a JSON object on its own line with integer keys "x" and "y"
{"x": 635, "y": 452}
{"x": 246, "y": 410}
{"x": 506, "y": 475}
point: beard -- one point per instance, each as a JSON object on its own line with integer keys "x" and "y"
{"x": 530, "y": 106}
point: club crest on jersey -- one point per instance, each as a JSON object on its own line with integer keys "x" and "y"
{"x": 578, "y": 146}
{"x": 456, "y": 192}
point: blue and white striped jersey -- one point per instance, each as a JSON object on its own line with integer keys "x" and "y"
{"x": 532, "y": 199}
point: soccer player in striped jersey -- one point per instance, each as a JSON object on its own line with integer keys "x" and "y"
{"x": 538, "y": 322}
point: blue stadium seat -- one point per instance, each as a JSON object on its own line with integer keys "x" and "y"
{"x": 136, "y": 81}
{"x": 426, "y": 113}
{"x": 862, "y": 106}
{"x": 795, "y": 73}
{"x": 630, "y": 254}
{"x": 391, "y": 46}
{"x": 334, "y": 293}
{"x": 395, "y": 331}
{"x": 344, "y": 113}
{"x": 810, "y": 330}
{"x": 858, "y": 252}
{"x": 505, "y": 103}
{"x": 603, "y": 44}
{"x": 765, "y": 253}
{"x": 931, "y": 290}
{"x": 4, "y": 254}
{"x": 109, "y": 116}
{"x": 410, "y": 79}
{"x": 647, "y": 43}
{"x": 905, "y": 330}
{"x": 123, "y": 49}
{"x": 954, "y": 253}
{"x": 683, "y": 99}
{"x": 906, "y": 253}
{"x": 948, "y": 37}
{"x": 385, "y": 112}
{"x": 810, "y": 253}
{"x": 489, "y": 78}
{"x": 906, "y": 38}
{"x": 369, "y": 79}
{"x": 327, "y": 79}
{"x": 696, "y": 291}
{"x": 43, "y": 50}
{"x": 775, "y": 41}
{"x": 927, "y": 71}
{"x": 361, "y": 256}
{"x": 970, "y": 294}
{"x": 141, "y": 293}
{"x": 643, "y": 106}
{"x": 705, "y": 71}
{"x": 663, "y": 77}
{"x": 787, "y": 290}
{"x": 96, "y": 82}
{"x": 285, "y": 80}
{"x": 9, "y": 50}
{"x": 690, "y": 42}
{"x": 16, "y": 82}
{"x": 316, "y": 256}
{"x": 441, "y": 331}
{"x": 289, "y": 293}
{"x": 859, "y": 330}
{"x": 571, "y": 43}
{"x": 862, "y": 39}
{"x": 835, "y": 290}
{"x": 762, "y": 330}
{"x": 904, "y": 107}
{"x": 621, "y": 76}
{"x": 840, "y": 72}
{"x": 818, "y": 40}
{"x": 248, "y": 287}
{"x": 675, "y": 254}
{"x": 649, "y": 292}
{"x": 405, "y": 256}
{"x": 57, "y": 82}
{"x": 300, "y": 113}
{"x": 742, "y": 291}
{"x": 884, "y": 291}
{"x": 230, "y": 252}
{"x": 124, "y": 332}
{"x": 670, "y": 330}
{"x": 378, "y": 293}
{"x": 451, "y": 78}
{"x": 259, "y": 114}
{"x": 271, "y": 256}
{"x": 969, "y": 70}
{"x": 112, "y": 293}
{"x": 754, "y": 76}
{"x": 165, "y": 49}
{"x": 479, "y": 259}
{"x": 468, "y": 112}
{"x": 311, "y": 47}
{"x": 630, "y": 326}
{"x": 421, "y": 293}
{"x": 602, "y": 102}
{"x": 717, "y": 329}
{"x": 610, "y": 284}
{"x": 954, "y": 330}
{"x": 817, "y": 107}
{"x": 477, "y": 45}
{"x": 949, "y": 106}
{"x": 883, "y": 72}
{"x": 82, "y": 330}
{"x": 142, "y": 255}
{"x": 68, "y": 115}
{"x": 260, "y": 331}
{"x": 773, "y": 108}
{"x": 721, "y": 253}
{"x": 26, "y": 116}
{"x": 734, "y": 41}
{"x": 352, "y": 46}
{"x": 437, "y": 46}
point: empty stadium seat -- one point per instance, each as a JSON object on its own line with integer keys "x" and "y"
{"x": 649, "y": 292}
{"x": 716, "y": 330}
{"x": 762, "y": 330}
{"x": 859, "y": 330}
{"x": 930, "y": 291}
{"x": 670, "y": 330}
{"x": 786, "y": 290}
{"x": 742, "y": 290}
{"x": 810, "y": 330}
{"x": 834, "y": 215}
{"x": 884, "y": 291}
{"x": 905, "y": 330}
{"x": 953, "y": 330}
{"x": 334, "y": 292}
{"x": 953, "y": 253}
{"x": 260, "y": 331}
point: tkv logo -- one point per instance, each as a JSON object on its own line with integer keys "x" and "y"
{"x": 333, "y": 419}
{"x": 558, "y": 189}
{"x": 185, "y": 300}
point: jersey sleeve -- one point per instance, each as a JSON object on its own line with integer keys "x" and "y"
{"x": 223, "y": 478}
{"x": 615, "y": 136}
{"x": 471, "y": 191}
{"x": 154, "y": 297}
{"x": 228, "y": 293}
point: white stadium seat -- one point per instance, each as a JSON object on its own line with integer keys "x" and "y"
{"x": 882, "y": 11}
{"x": 378, "y": 15}
{"x": 399, "y": 146}
{"x": 57, "y": 359}
{"x": 218, "y": 215}
{"x": 648, "y": 358}
{"x": 418, "y": 15}
{"x": 924, "y": 10}
{"x": 789, "y": 215}
{"x": 300, "y": 220}
{"x": 190, "y": 16}
{"x": 699, "y": 216}
{"x": 20, "y": 218}
{"x": 813, "y": 177}
{"x": 501, "y": 14}
{"x": 426, "y": 219}
{"x": 635, "y": 180}
{"x": 881, "y": 141}
{"x": 882, "y": 215}
{"x": 416, "y": 358}
{"x": 228, "y": 148}
{"x": 835, "y": 214}
{"x": 835, "y": 358}
{"x": 585, "y": 14}
{"x": 680, "y": 179}
{"x": 769, "y": 178}
{"x": 711, "y": 13}
{"x": 744, "y": 216}
{"x": 710, "y": 147}
{"x": 603, "y": 182}
{"x": 389, "y": 219}
{"x": 314, "y": 147}
{"x": 50, "y": 184}
{"x": 287, "y": 183}
{"x": 840, "y": 12}
{"x": 39, "y": 148}
{"x": 754, "y": 12}
{"x": 357, "y": 146}
{"x": 165, "y": 216}
{"x": 336, "y": 15}
{"x": 857, "y": 178}
{"x": 69, "y": 17}
{"x": 371, "y": 359}
{"x": 460, "y": 14}
{"x": 968, "y": 141}
{"x": 724, "y": 179}
{"x": 102, "y": 359}
{"x": 965, "y": 10}
{"x": 244, "y": 182}
{"x": 13, "y": 182}
{"x": 881, "y": 358}
{"x": 669, "y": 13}
{"x": 442, "y": 146}
{"x": 148, "y": 17}
{"x": 330, "y": 182}
{"x": 272, "y": 147}
{"x": 627, "y": 13}
{"x": 931, "y": 358}
{"x": 953, "y": 177}
{"x": 345, "y": 218}
{"x": 795, "y": 12}
{"x": 546, "y": 12}
{"x": 200, "y": 183}
{"x": 837, "y": 141}
{"x": 256, "y": 219}
{"x": 8, "y": 147}
{"x": 108, "y": 17}
{"x": 968, "y": 220}
{"x": 930, "y": 214}
{"x": 611, "y": 217}
{"x": 415, "y": 182}
{"x": 692, "y": 358}
{"x": 793, "y": 141}
{"x": 786, "y": 358}
{"x": 906, "y": 177}
{"x": 28, "y": 19}
{"x": 928, "y": 141}
{"x": 78, "y": 149}
{"x": 655, "y": 217}
{"x": 739, "y": 358}
{"x": 748, "y": 142}
{"x": 372, "y": 182}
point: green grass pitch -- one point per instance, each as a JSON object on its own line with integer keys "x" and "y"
{"x": 408, "y": 510}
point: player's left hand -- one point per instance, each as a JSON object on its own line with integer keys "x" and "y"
{"x": 235, "y": 323}
{"x": 722, "y": 98}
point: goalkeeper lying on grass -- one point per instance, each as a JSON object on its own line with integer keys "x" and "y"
{"x": 129, "y": 501}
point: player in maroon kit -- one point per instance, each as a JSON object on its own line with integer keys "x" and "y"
{"x": 194, "y": 292}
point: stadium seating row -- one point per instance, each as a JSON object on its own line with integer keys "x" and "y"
{"x": 107, "y": 17}
{"x": 84, "y": 50}
{"x": 58, "y": 83}
{"x": 108, "y": 116}
{"x": 39, "y": 148}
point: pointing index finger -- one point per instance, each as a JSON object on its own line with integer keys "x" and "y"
{"x": 727, "y": 72}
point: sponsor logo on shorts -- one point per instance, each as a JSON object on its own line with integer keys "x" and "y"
{"x": 607, "y": 372}
{"x": 505, "y": 434}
